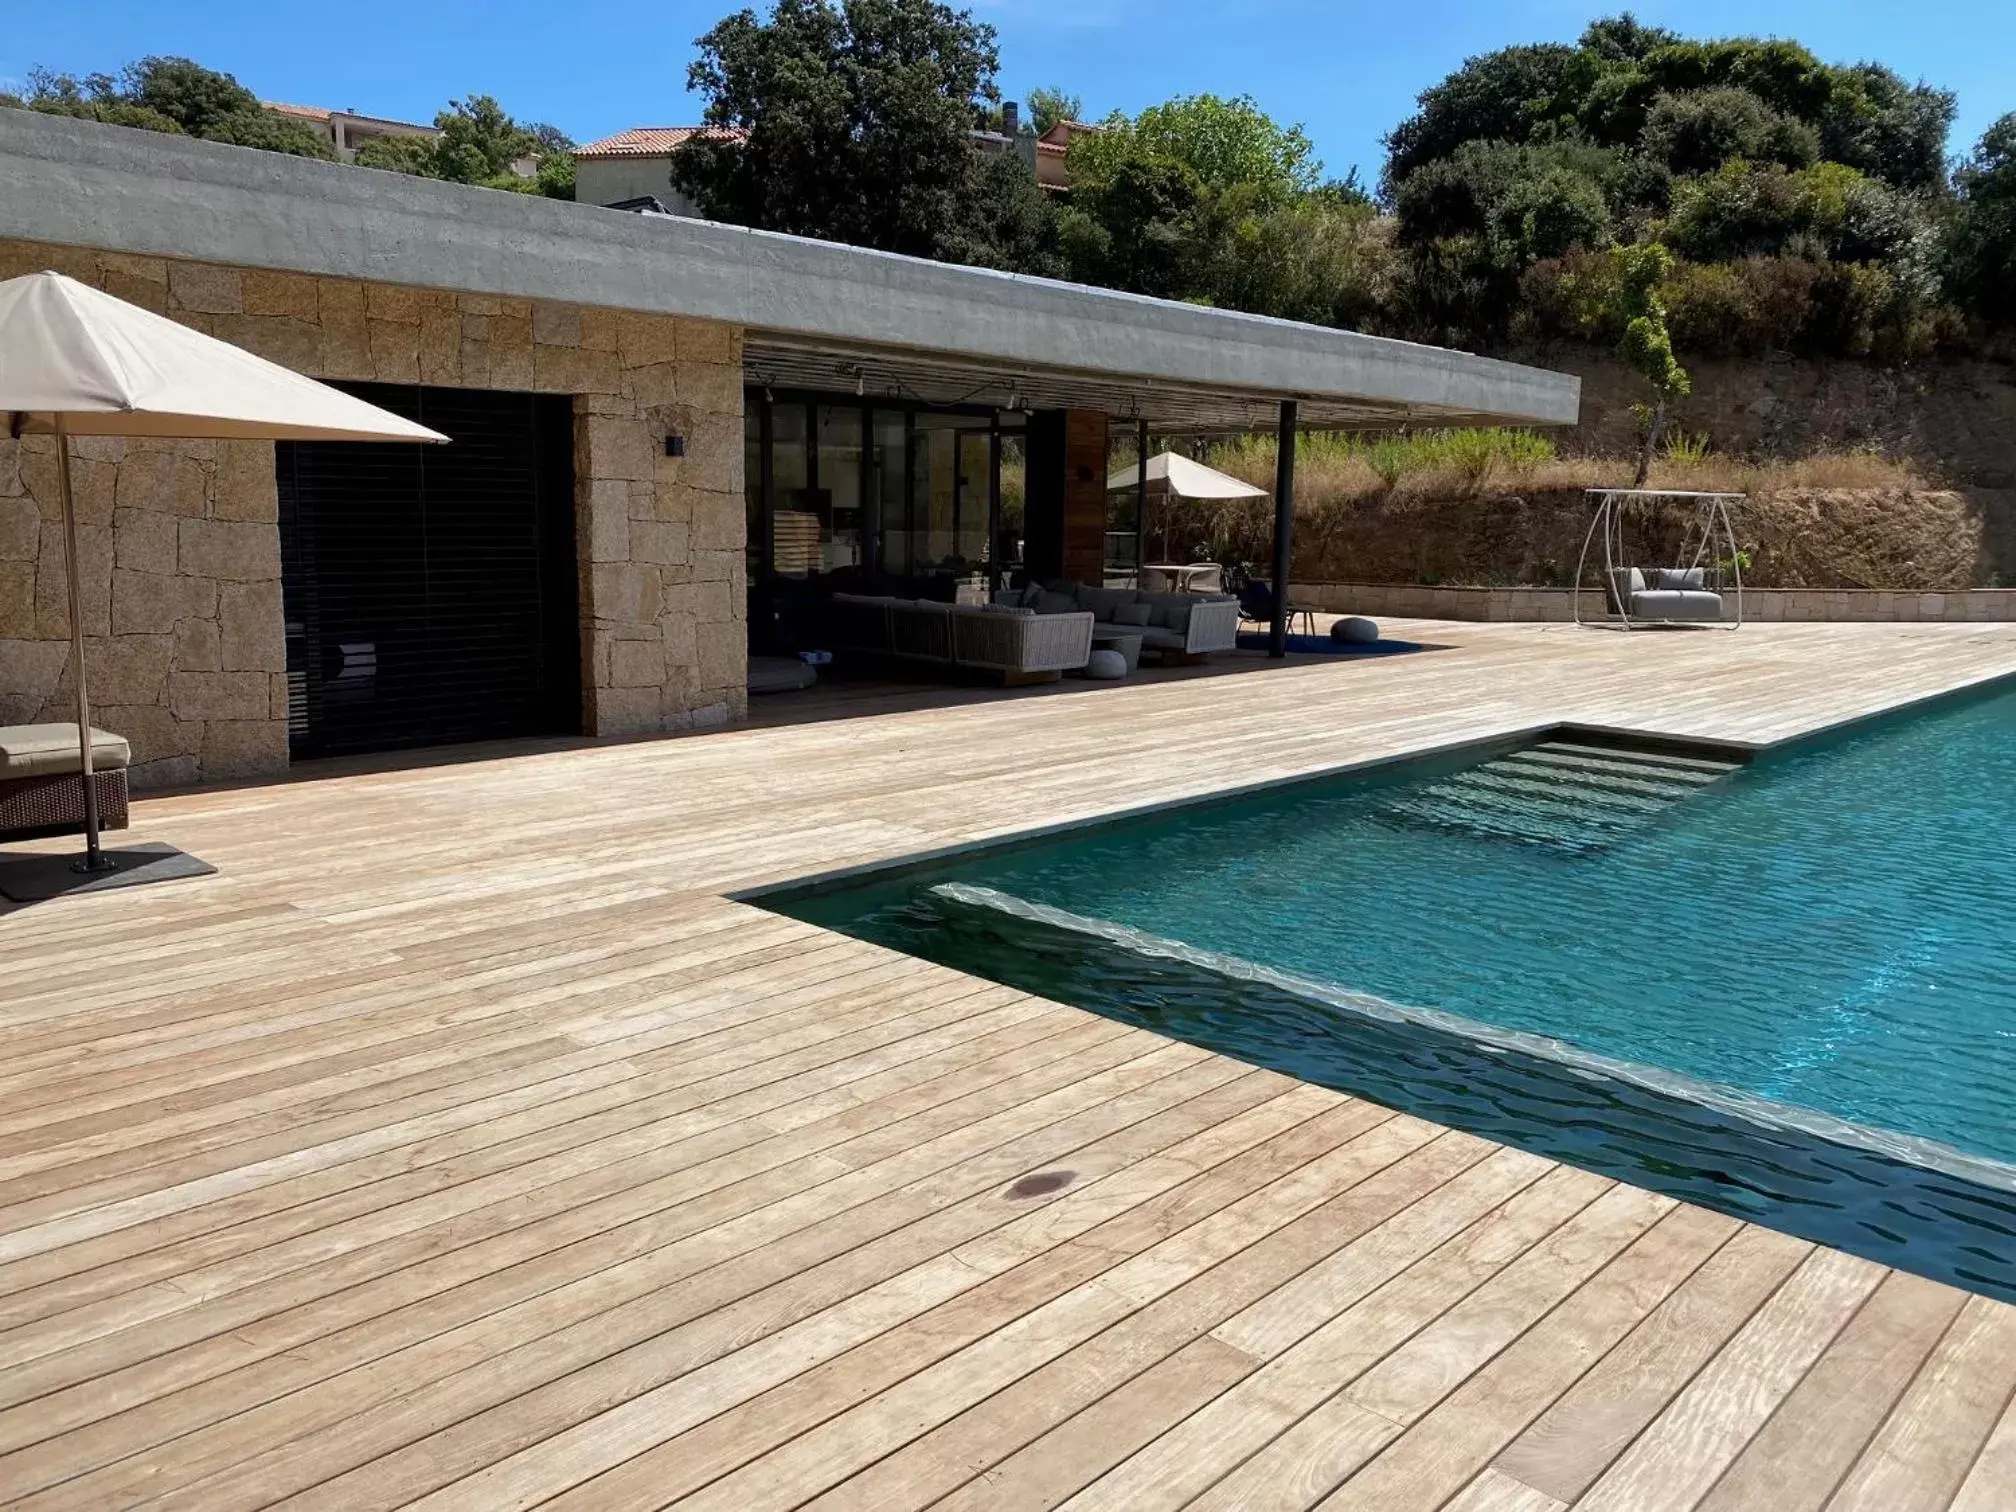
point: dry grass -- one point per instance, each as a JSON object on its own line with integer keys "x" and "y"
{"x": 1503, "y": 508}
{"x": 1439, "y": 465}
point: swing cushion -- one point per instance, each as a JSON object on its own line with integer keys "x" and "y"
{"x": 1676, "y": 604}
{"x": 1690, "y": 579}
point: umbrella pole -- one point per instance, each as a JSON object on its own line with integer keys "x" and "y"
{"x": 94, "y": 857}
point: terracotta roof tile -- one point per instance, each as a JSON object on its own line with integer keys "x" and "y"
{"x": 652, "y": 141}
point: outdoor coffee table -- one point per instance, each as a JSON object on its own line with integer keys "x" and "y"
{"x": 1126, "y": 642}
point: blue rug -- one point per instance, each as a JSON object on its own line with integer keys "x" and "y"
{"x": 1322, "y": 645}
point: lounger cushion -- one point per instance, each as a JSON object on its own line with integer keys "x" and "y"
{"x": 1133, "y": 614}
{"x": 48, "y": 750}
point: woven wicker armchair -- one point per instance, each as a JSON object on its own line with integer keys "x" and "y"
{"x": 1020, "y": 644}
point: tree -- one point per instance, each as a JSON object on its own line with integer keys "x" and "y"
{"x": 1647, "y": 347}
{"x": 1980, "y": 237}
{"x": 1136, "y": 228}
{"x": 196, "y": 98}
{"x": 176, "y": 96}
{"x": 1498, "y": 97}
{"x": 1225, "y": 143}
{"x": 272, "y": 133}
{"x": 94, "y": 98}
{"x": 850, "y": 120}
{"x": 1700, "y": 130}
{"x": 480, "y": 143}
{"x": 1049, "y": 107}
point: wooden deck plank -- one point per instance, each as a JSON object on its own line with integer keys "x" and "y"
{"x": 1675, "y": 1462}
{"x": 1576, "y": 1440}
{"x": 1093, "y": 1229}
{"x": 1443, "y": 1451}
{"x": 1926, "y": 1447}
{"x": 567, "y": 1178}
{"x": 1812, "y": 1439}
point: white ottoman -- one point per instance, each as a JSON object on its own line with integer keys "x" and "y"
{"x": 1106, "y": 666}
{"x": 1354, "y": 631}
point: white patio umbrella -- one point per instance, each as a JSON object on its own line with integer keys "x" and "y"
{"x": 1179, "y": 478}
{"x": 78, "y": 362}
{"x": 1185, "y": 479}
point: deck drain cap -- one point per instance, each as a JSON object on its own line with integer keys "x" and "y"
{"x": 1042, "y": 1184}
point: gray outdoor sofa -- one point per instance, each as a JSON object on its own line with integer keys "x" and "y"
{"x": 1015, "y": 644}
{"x": 1180, "y": 626}
{"x": 1674, "y": 595}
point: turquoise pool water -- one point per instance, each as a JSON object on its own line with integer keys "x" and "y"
{"x": 1789, "y": 988}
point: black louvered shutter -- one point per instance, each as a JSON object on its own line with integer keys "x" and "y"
{"x": 430, "y": 590}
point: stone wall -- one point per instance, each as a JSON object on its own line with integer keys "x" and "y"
{"x": 1760, "y": 605}
{"x": 1955, "y": 419}
{"x": 179, "y": 540}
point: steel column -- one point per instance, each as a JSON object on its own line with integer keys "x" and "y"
{"x": 1284, "y": 527}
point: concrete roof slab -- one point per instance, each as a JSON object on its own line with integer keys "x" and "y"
{"x": 79, "y": 183}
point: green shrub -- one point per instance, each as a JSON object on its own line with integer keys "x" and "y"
{"x": 1699, "y": 131}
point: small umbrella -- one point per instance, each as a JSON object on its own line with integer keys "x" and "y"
{"x": 1180, "y": 478}
{"x": 1185, "y": 479}
{"x": 78, "y": 362}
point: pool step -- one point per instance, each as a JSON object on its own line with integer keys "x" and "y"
{"x": 1561, "y": 793}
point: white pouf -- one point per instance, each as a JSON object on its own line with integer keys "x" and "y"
{"x": 1354, "y": 631}
{"x": 1105, "y": 666}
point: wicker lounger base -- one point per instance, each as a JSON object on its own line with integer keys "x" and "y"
{"x": 54, "y": 805}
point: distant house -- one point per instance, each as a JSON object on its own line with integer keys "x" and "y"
{"x": 346, "y": 129}
{"x": 1051, "y": 148}
{"x": 636, "y": 165}
{"x": 632, "y": 170}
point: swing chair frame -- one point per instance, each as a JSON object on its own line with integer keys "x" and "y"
{"x": 1712, "y": 527}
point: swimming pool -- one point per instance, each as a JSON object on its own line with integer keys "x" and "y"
{"x": 1787, "y": 988}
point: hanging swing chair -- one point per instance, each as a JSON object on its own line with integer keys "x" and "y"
{"x": 1692, "y": 593}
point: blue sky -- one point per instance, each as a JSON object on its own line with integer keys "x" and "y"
{"x": 1347, "y": 71}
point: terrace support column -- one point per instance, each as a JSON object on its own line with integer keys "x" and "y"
{"x": 1140, "y": 501}
{"x": 1284, "y": 528}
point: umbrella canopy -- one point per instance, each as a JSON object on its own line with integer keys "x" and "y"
{"x": 1186, "y": 479}
{"x": 77, "y": 362}
{"x": 109, "y": 368}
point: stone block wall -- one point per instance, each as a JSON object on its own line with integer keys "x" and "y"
{"x": 1760, "y": 605}
{"x": 179, "y": 540}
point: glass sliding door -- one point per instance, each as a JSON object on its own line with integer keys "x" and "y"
{"x": 837, "y": 474}
{"x": 889, "y": 487}
{"x": 848, "y": 495}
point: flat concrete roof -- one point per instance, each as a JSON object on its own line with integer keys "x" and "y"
{"x": 817, "y": 308}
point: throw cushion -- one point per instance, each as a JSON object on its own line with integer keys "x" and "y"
{"x": 1055, "y": 603}
{"x": 1105, "y": 602}
{"x": 1133, "y": 614}
{"x": 1681, "y": 577}
{"x": 1032, "y": 595}
{"x": 1171, "y": 616}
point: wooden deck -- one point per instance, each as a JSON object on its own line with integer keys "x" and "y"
{"x": 461, "y": 1144}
